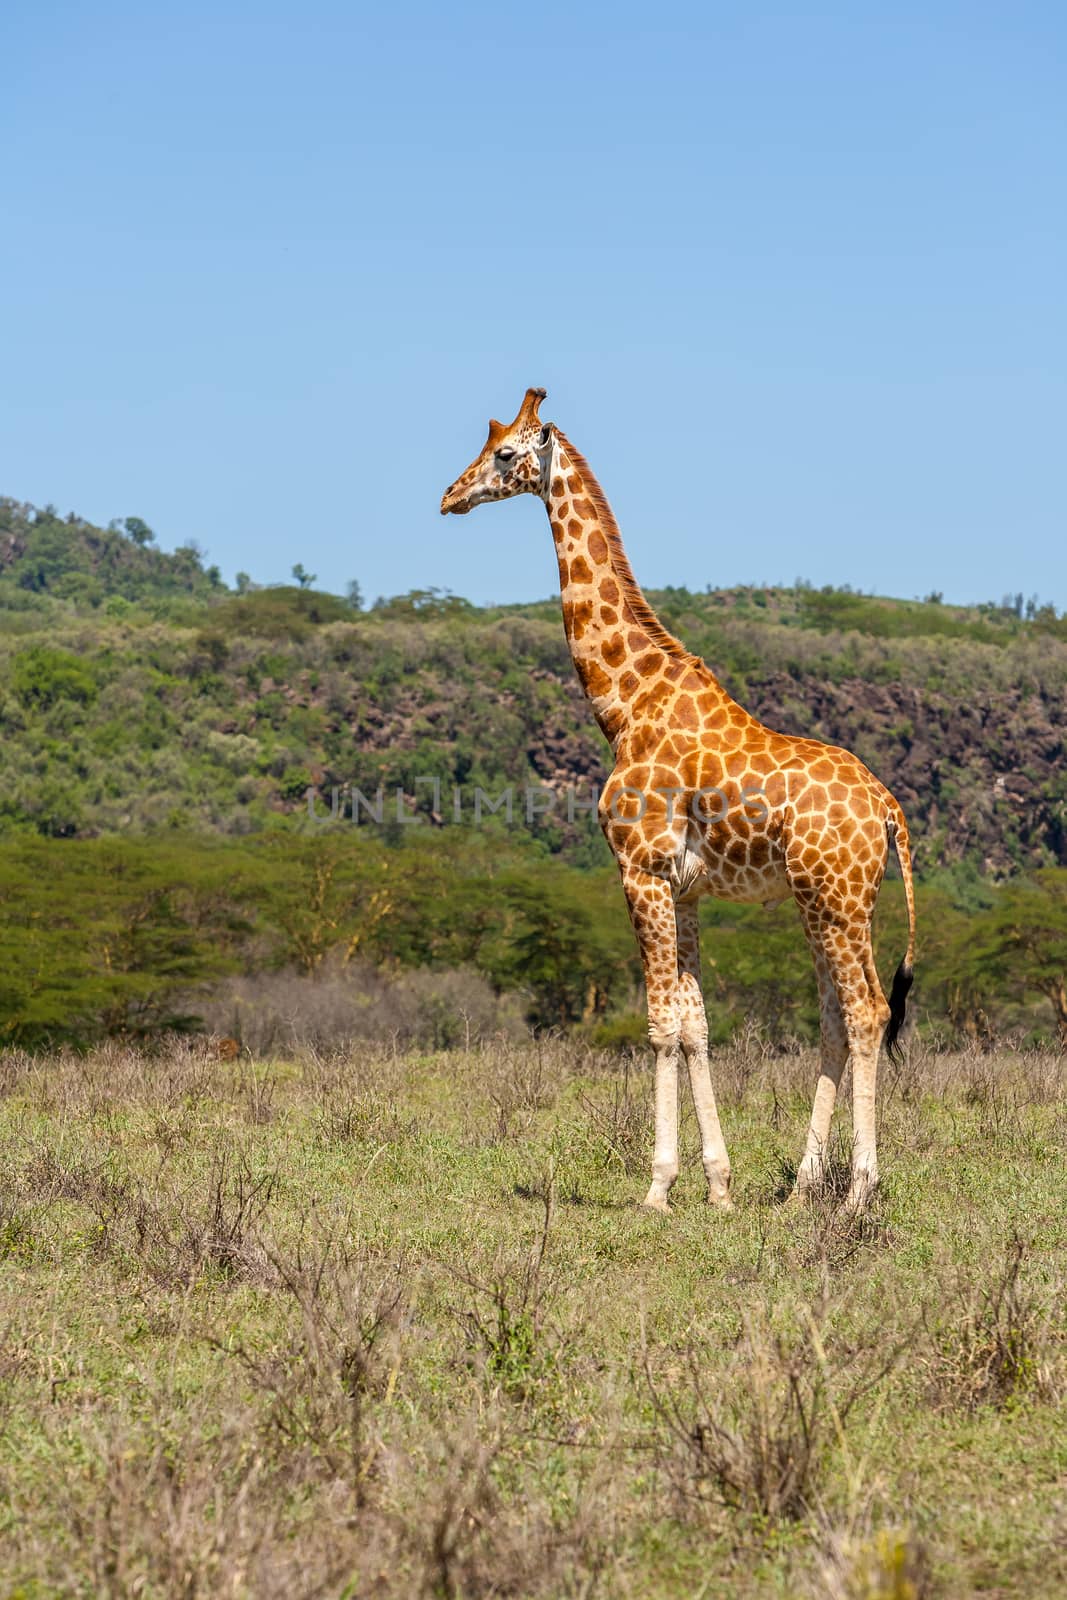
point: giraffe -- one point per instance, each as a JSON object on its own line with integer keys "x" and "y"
{"x": 703, "y": 798}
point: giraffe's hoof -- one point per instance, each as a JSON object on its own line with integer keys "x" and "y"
{"x": 809, "y": 1184}
{"x": 860, "y": 1196}
{"x": 719, "y": 1199}
{"x": 656, "y": 1202}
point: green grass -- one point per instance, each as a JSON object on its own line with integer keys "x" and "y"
{"x": 392, "y": 1325}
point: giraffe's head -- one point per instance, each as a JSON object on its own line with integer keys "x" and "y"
{"x": 512, "y": 462}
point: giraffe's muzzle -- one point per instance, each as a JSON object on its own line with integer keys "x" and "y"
{"x": 455, "y": 500}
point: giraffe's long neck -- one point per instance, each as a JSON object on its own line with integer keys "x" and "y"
{"x": 631, "y": 668}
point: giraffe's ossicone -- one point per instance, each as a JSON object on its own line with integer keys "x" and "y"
{"x": 703, "y": 799}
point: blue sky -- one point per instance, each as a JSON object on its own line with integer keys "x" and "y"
{"x": 793, "y": 276}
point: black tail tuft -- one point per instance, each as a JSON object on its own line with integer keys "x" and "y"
{"x": 898, "y": 1000}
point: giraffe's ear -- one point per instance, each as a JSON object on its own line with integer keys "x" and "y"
{"x": 497, "y": 430}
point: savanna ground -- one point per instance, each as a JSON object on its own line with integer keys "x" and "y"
{"x": 389, "y": 1324}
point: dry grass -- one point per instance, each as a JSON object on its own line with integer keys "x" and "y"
{"x": 367, "y": 1322}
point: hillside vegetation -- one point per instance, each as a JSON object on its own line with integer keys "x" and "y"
{"x": 142, "y": 700}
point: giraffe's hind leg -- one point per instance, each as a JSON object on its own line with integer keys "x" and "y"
{"x": 864, "y": 1057}
{"x": 864, "y": 1014}
{"x": 833, "y": 1052}
{"x": 651, "y": 910}
{"x": 694, "y": 1031}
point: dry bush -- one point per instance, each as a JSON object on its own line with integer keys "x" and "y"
{"x": 368, "y": 1067}
{"x": 618, "y": 1123}
{"x": 15, "y": 1361}
{"x": 1036, "y": 1076}
{"x": 567, "y": 1056}
{"x": 361, "y": 1094}
{"x": 758, "y": 1436}
{"x": 754, "y": 1060}
{"x": 177, "y": 1070}
{"x": 520, "y": 1079}
{"x": 258, "y": 1090}
{"x": 22, "y": 1210}
{"x": 171, "y": 1516}
{"x": 223, "y": 1226}
{"x": 175, "y": 1233}
{"x": 477, "y": 1544}
{"x": 504, "y": 1318}
{"x": 1002, "y": 1086}
{"x": 752, "y": 1065}
{"x": 372, "y": 1119}
{"x": 190, "y": 1513}
{"x": 282, "y": 1012}
{"x": 1000, "y": 1099}
{"x": 18, "y": 1069}
{"x": 345, "y": 1354}
{"x": 312, "y": 1481}
{"x": 838, "y": 1237}
{"x": 827, "y": 1233}
{"x": 996, "y": 1341}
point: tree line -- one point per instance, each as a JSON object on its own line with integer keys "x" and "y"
{"x": 126, "y": 937}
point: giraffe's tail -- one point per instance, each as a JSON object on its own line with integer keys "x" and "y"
{"x": 897, "y": 829}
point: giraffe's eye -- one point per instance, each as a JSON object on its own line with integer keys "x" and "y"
{"x": 505, "y": 455}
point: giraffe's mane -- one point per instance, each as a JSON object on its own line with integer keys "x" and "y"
{"x": 639, "y": 608}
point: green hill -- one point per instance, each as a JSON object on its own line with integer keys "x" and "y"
{"x": 45, "y": 557}
{"x": 139, "y": 693}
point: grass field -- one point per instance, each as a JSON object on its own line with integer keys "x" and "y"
{"x": 393, "y": 1325}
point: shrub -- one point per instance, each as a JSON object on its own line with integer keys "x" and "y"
{"x": 42, "y": 676}
{"x": 998, "y": 1341}
{"x": 280, "y": 1012}
{"x": 760, "y": 1439}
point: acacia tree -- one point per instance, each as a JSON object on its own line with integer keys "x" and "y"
{"x": 328, "y": 899}
{"x": 571, "y": 957}
{"x": 110, "y": 938}
{"x": 1021, "y": 944}
{"x": 139, "y": 531}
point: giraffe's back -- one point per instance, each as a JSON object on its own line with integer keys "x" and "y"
{"x": 754, "y": 817}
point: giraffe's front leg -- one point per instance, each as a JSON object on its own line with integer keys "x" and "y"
{"x": 665, "y": 1153}
{"x": 694, "y": 1024}
{"x": 652, "y": 914}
